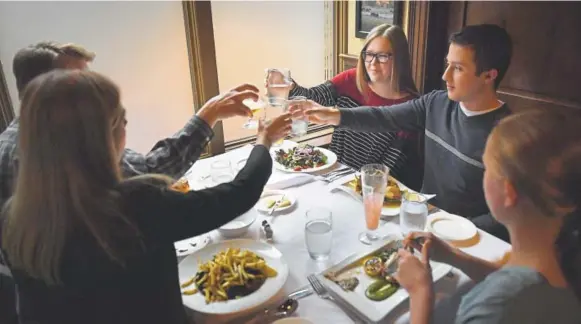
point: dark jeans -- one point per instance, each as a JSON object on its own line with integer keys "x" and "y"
{"x": 489, "y": 224}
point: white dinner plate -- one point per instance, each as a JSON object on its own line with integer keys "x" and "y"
{"x": 451, "y": 227}
{"x": 268, "y": 195}
{"x": 273, "y": 257}
{"x": 191, "y": 245}
{"x": 331, "y": 160}
{"x": 371, "y": 311}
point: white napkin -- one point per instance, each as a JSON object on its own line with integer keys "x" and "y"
{"x": 282, "y": 180}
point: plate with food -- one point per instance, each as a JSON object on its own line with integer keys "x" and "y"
{"x": 365, "y": 280}
{"x": 282, "y": 199}
{"x": 231, "y": 276}
{"x": 303, "y": 158}
{"x": 392, "y": 198}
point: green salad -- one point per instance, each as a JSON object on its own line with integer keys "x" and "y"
{"x": 301, "y": 157}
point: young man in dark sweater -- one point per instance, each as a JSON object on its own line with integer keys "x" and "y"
{"x": 456, "y": 122}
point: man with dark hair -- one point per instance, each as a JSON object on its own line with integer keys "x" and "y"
{"x": 456, "y": 122}
{"x": 172, "y": 156}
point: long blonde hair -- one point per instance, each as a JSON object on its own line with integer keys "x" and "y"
{"x": 68, "y": 171}
{"x": 401, "y": 73}
{"x": 539, "y": 153}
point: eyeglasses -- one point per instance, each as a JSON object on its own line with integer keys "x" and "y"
{"x": 382, "y": 58}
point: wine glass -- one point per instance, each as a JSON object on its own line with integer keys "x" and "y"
{"x": 374, "y": 183}
{"x": 257, "y": 109}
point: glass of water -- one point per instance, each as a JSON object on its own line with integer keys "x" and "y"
{"x": 319, "y": 233}
{"x": 374, "y": 183}
{"x": 221, "y": 172}
{"x": 275, "y": 108}
{"x": 278, "y": 82}
{"x": 299, "y": 126}
{"x": 413, "y": 214}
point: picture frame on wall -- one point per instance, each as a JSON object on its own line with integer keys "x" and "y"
{"x": 369, "y": 14}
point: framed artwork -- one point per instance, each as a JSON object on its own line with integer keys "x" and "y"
{"x": 369, "y": 14}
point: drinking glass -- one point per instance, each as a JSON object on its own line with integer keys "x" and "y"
{"x": 374, "y": 183}
{"x": 413, "y": 213}
{"x": 275, "y": 108}
{"x": 319, "y": 233}
{"x": 300, "y": 125}
{"x": 221, "y": 172}
{"x": 278, "y": 82}
{"x": 257, "y": 108}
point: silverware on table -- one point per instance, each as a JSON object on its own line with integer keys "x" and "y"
{"x": 323, "y": 293}
{"x": 301, "y": 293}
{"x": 276, "y": 203}
{"x": 285, "y": 309}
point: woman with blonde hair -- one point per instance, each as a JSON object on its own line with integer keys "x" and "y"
{"x": 382, "y": 78}
{"x": 532, "y": 186}
{"x": 85, "y": 246}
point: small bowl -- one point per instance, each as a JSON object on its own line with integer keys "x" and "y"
{"x": 238, "y": 226}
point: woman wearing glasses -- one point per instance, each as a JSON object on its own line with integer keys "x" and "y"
{"x": 382, "y": 78}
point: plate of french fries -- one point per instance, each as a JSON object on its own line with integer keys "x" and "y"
{"x": 231, "y": 276}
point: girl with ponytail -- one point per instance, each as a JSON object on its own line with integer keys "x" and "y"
{"x": 532, "y": 185}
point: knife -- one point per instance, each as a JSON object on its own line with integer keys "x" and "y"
{"x": 276, "y": 203}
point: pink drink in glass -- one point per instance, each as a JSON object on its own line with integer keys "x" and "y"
{"x": 373, "y": 204}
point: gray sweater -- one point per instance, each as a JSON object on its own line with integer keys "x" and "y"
{"x": 454, "y": 144}
{"x": 518, "y": 295}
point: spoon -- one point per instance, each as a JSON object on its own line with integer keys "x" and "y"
{"x": 286, "y": 309}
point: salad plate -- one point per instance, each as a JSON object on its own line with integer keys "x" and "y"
{"x": 303, "y": 159}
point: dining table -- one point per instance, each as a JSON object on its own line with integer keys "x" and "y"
{"x": 348, "y": 221}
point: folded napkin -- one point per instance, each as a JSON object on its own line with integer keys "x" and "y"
{"x": 283, "y": 180}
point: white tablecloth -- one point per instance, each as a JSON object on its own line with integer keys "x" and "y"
{"x": 348, "y": 222}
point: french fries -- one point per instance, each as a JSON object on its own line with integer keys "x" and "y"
{"x": 233, "y": 268}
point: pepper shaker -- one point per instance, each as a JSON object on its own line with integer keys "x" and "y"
{"x": 267, "y": 230}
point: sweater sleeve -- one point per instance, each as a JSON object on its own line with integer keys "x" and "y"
{"x": 173, "y": 216}
{"x": 327, "y": 93}
{"x": 407, "y": 116}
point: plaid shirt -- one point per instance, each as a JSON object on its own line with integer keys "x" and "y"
{"x": 172, "y": 156}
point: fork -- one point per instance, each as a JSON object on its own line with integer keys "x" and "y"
{"x": 323, "y": 293}
{"x": 334, "y": 175}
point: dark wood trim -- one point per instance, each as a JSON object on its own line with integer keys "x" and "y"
{"x": 427, "y": 38}
{"x": 417, "y": 38}
{"x": 527, "y": 95}
{"x": 202, "y": 58}
{"x": 397, "y": 17}
{"x": 6, "y": 108}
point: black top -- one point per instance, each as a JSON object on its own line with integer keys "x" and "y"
{"x": 97, "y": 290}
{"x": 454, "y": 144}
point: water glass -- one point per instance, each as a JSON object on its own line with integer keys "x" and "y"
{"x": 374, "y": 183}
{"x": 221, "y": 172}
{"x": 278, "y": 82}
{"x": 319, "y": 233}
{"x": 275, "y": 108}
{"x": 413, "y": 214}
{"x": 299, "y": 125}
